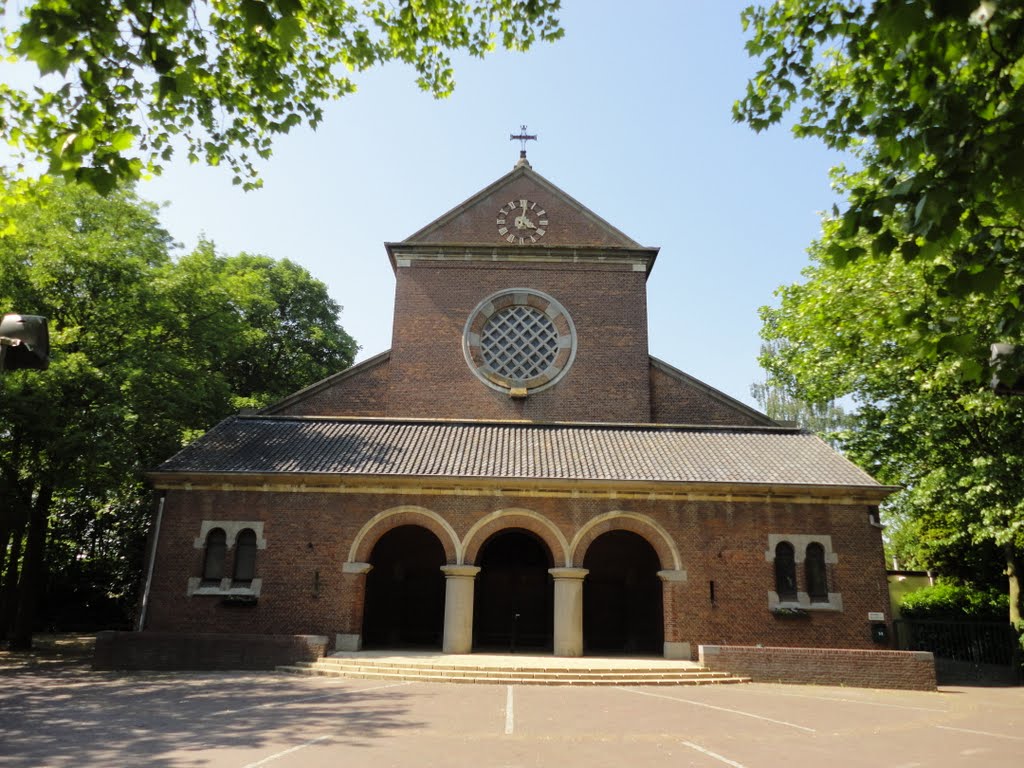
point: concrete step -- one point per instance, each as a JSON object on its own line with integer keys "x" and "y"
{"x": 440, "y": 673}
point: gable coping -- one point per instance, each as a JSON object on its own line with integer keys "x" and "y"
{"x": 334, "y": 378}
{"x": 520, "y": 171}
{"x": 715, "y": 394}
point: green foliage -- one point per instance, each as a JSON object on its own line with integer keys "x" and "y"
{"x": 955, "y": 602}
{"x": 929, "y": 95}
{"x": 130, "y": 82}
{"x": 828, "y": 420}
{"x": 276, "y": 328}
{"x": 956, "y": 448}
{"x": 920, "y": 537}
{"x": 146, "y": 352}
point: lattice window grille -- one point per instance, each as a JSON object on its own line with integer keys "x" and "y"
{"x": 519, "y": 343}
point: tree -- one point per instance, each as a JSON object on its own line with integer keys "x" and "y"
{"x": 827, "y": 419}
{"x": 128, "y": 82}
{"x": 956, "y": 447}
{"x": 929, "y": 96}
{"x": 283, "y": 324}
{"x": 145, "y": 353}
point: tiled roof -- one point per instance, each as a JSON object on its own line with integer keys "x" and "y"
{"x": 367, "y": 447}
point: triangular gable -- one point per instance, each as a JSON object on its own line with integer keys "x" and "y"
{"x": 679, "y": 398}
{"x": 357, "y": 391}
{"x": 474, "y": 221}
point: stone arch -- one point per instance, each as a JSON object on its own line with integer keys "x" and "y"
{"x": 515, "y": 517}
{"x": 642, "y": 525}
{"x": 382, "y": 522}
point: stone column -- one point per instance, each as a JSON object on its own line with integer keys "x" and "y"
{"x": 353, "y": 581}
{"x": 568, "y": 610}
{"x": 458, "y": 607}
{"x": 671, "y": 582}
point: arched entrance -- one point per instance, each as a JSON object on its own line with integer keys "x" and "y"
{"x": 404, "y": 604}
{"x": 622, "y": 602}
{"x": 514, "y": 594}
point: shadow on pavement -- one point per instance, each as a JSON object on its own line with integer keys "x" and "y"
{"x": 55, "y": 712}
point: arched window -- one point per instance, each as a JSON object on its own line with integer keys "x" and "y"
{"x": 817, "y": 581}
{"x": 245, "y": 557}
{"x": 785, "y": 571}
{"x": 213, "y": 560}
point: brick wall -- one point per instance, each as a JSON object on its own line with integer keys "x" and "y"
{"x": 675, "y": 402}
{"x": 608, "y": 305}
{"x": 568, "y": 224}
{"x": 911, "y": 670}
{"x": 197, "y": 651}
{"x": 363, "y": 393}
{"x": 309, "y": 536}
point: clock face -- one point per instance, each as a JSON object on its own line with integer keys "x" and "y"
{"x": 522, "y": 222}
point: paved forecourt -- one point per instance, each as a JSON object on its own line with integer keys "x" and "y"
{"x": 58, "y": 715}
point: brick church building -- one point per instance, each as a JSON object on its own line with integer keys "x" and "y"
{"x": 517, "y": 473}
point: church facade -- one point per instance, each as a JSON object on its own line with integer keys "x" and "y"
{"x": 517, "y": 473}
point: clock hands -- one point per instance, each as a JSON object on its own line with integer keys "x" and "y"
{"x": 515, "y": 222}
{"x": 522, "y": 222}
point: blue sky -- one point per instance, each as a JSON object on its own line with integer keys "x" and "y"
{"x": 632, "y": 109}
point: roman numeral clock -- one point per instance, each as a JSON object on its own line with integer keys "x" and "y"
{"x": 522, "y": 222}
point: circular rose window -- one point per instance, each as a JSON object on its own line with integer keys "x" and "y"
{"x": 519, "y": 341}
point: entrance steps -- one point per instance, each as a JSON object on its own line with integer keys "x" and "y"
{"x": 511, "y": 669}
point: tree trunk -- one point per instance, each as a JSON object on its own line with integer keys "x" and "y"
{"x": 32, "y": 570}
{"x": 6, "y": 518}
{"x": 1013, "y": 575}
{"x": 9, "y": 588}
{"x": 5, "y": 545}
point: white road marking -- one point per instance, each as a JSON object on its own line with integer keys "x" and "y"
{"x": 273, "y": 757}
{"x": 306, "y": 698}
{"x": 981, "y": 733}
{"x": 860, "y": 701}
{"x": 721, "y": 709}
{"x": 509, "y": 716}
{"x": 709, "y": 753}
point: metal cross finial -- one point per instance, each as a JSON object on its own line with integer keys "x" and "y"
{"x": 522, "y": 137}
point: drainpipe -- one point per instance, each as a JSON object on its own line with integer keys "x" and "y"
{"x": 152, "y": 561}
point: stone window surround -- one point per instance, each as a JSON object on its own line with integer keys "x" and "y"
{"x": 231, "y": 530}
{"x": 803, "y": 599}
{"x": 503, "y": 300}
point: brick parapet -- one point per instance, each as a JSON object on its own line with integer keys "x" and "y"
{"x": 203, "y": 651}
{"x": 909, "y": 670}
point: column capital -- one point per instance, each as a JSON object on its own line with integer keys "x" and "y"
{"x": 568, "y": 573}
{"x": 356, "y": 567}
{"x": 459, "y": 571}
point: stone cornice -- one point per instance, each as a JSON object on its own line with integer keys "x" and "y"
{"x": 543, "y": 488}
{"x": 405, "y": 254}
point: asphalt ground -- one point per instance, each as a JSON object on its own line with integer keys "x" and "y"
{"x": 61, "y": 713}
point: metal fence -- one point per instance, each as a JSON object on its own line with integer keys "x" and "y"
{"x": 964, "y": 651}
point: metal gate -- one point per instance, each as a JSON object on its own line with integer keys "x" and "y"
{"x": 965, "y": 651}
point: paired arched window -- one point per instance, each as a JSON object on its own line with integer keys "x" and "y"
{"x": 213, "y": 559}
{"x": 813, "y": 586}
{"x": 785, "y": 571}
{"x": 815, "y": 574}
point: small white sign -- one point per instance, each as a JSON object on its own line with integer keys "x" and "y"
{"x": 876, "y": 616}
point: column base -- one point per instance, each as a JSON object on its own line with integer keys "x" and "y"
{"x": 348, "y": 642}
{"x": 679, "y": 651}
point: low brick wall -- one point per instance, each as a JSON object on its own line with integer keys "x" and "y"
{"x": 910, "y": 670}
{"x": 203, "y": 651}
